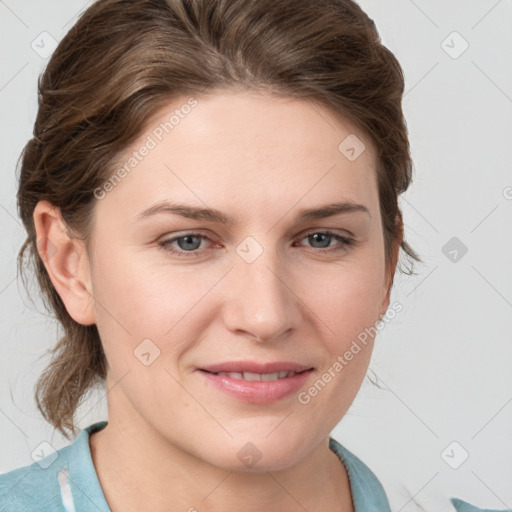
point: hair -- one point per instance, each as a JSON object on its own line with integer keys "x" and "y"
{"x": 124, "y": 60}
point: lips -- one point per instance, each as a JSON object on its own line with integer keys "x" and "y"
{"x": 255, "y": 367}
{"x": 250, "y": 376}
{"x": 258, "y": 383}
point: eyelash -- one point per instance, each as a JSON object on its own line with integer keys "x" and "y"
{"x": 166, "y": 244}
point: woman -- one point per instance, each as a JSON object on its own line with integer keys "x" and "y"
{"x": 210, "y": 198}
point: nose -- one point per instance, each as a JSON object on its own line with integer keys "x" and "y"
{"x": 262, "y": 304}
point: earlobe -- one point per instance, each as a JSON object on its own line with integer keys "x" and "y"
{"x": 65, "y": 260}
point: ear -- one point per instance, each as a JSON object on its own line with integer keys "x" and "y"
{"x": 393, "y": 263}
{"x": 65, "y": 260}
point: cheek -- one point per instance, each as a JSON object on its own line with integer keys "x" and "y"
{"x": 346, "y": 300}
{"x": 137, "y": 299}
{"x": 347, "y": 307}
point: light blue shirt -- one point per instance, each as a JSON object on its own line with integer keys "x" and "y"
{"x": 66, "y": 481}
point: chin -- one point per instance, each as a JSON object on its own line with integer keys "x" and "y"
{"x": 259, "y": 454}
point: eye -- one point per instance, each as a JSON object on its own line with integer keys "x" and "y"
{"x": 187, "y": 244}
{"x": 322, "y": 240}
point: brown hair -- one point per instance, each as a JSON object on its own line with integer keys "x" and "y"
{"x": 123, "y": 60}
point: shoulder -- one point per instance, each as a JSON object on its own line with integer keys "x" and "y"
{"x": 462, "y": 506}
{"x": 367, "y": 491}
{"x": 43, "y": 485}
{"x": 33, "y": 487}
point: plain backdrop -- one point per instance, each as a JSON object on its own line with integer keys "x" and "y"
{"x": 441, "y": 422}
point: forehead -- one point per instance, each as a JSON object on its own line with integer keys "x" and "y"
{"x": 253, "y": 148}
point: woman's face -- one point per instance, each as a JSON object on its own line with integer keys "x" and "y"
{"x": 177, "y": 292}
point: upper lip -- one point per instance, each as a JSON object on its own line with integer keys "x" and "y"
{"x": 255, "y": 367}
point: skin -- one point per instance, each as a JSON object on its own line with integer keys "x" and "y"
{"x": 172, "y": 439}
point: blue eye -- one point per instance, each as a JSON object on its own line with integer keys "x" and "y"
{"x": 323, "y": 238}
{"x": 189, "y": 242}
{"x": 188, "y": 245}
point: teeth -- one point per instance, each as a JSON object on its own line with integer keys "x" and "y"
{"x": 251, "y": 376}
{"x": 271, "y": 376}
{"x": 257, "y": 376}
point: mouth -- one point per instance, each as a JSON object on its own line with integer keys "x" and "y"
{"x": 256, "y": 368}
{"x": 257, "y": 382}
{"x": 251, "y": 376}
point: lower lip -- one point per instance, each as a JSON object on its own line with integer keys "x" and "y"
{"x": 259, "y": 391}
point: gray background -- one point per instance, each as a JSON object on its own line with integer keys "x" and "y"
{"x": 444, "y": 362}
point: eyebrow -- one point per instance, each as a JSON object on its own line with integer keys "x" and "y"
{"x": 213, "y": 215}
